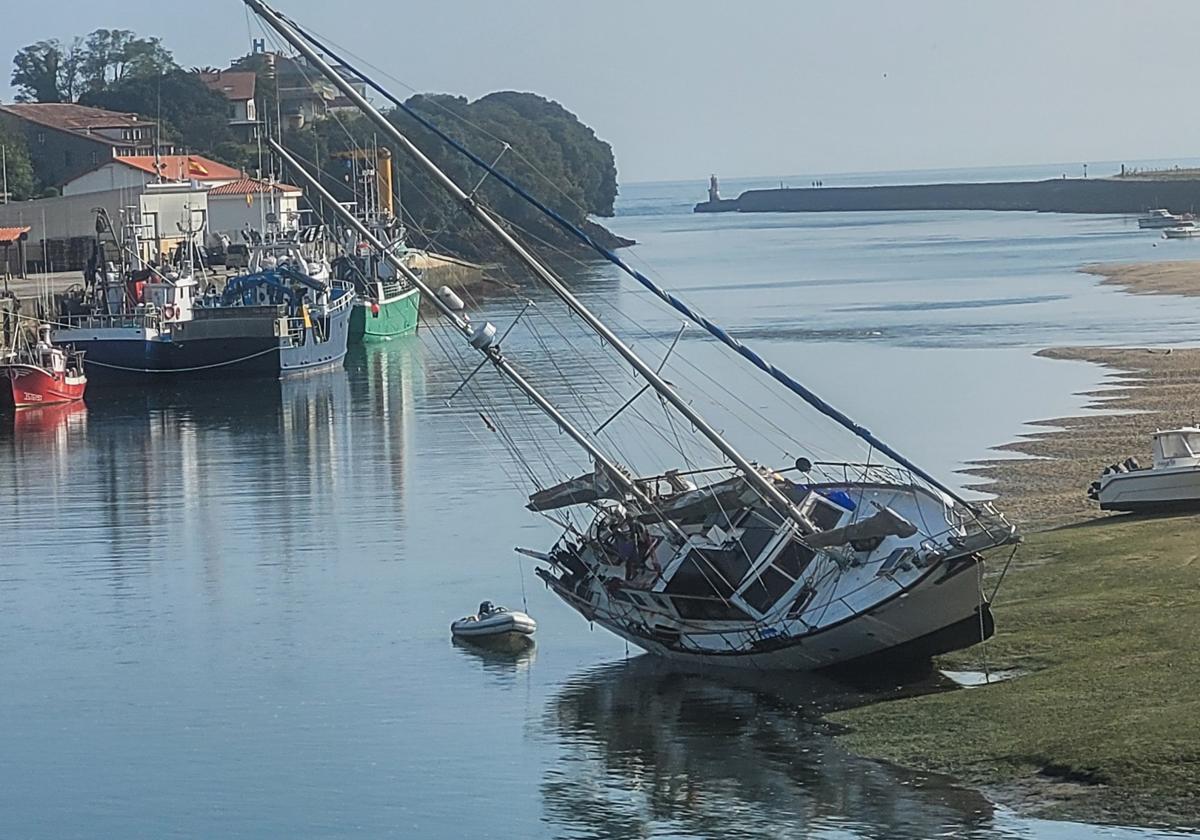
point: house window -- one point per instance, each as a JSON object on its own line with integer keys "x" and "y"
{"x": 95, "y": 157}
{"x": 41, "y": 138}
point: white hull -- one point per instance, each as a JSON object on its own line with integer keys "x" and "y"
{"x": 936, "y": 603}
{"x": 1151, "y": 490}
{"x": 497, "y": 625}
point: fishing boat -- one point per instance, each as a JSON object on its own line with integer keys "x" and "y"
{"x": 387, "y": 305}
{"x": 137, "y": 319}
{"x": 43, "y": 374}
{"x": 721, "y": 560}
{"x": 1171, "y": 483}
{"x": 1160, "y": 218}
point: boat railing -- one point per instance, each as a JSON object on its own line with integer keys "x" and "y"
{"x": 863, "y": 473}
{"x": 343, "y": 300}
{"x": 149, "y": 319}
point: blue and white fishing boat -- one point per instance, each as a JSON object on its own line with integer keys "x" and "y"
{"x": 136, "y": 320}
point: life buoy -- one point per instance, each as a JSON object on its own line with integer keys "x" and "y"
{"x": 168, "y": 312}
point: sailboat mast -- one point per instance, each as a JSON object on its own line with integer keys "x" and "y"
{"x": 464, "y": 327}
{"x": 765, "y": 487}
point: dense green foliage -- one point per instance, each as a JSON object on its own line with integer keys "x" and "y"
{"x": 17, "y": 166}
{"x": 190, "y": 115}
{"x": 553, "y": 155}
{"x": 537, "y": 142}
{"x": 50, "y": 71}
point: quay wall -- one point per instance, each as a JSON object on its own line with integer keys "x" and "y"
{"x": 1060, "y": 195}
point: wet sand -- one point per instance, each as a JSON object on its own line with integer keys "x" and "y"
{"x": 1145, "y": 390}
{"x": 1178, "y": 277}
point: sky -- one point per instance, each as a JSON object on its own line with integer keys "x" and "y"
{"x": 684, "y": 88}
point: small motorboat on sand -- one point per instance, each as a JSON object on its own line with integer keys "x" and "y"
{"x": 1171, "y": 484}
{"x": 494, "y": 622}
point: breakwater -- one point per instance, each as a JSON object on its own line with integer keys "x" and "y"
{"x": 1059, "y": 195}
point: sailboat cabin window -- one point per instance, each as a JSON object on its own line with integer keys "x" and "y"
{"x": 776, "y": 579}
{"x": 708, "y": 573}
{"x": 823, "y": 513}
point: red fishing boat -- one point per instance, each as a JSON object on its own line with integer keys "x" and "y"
{"x": 43, "y": 374}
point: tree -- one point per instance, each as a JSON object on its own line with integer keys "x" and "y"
{"x": 17, "y": 164}
{"x": 36, "y": 72}
{"x": 110, "y": 55}
{"x": 70, "y": 81}
{"x": 553, "y": 155}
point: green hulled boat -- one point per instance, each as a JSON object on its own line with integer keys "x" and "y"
{"x": 392, "y": 311}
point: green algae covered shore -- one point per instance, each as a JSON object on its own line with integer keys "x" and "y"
{"x": 1098, "y": 619}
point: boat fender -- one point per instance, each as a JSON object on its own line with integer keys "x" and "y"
{"x": 374, "y": 308}
{"x": 447, "y": 296}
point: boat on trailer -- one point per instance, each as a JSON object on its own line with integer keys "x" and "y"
{"x": 800, "y": 567}
{"x": 1171, "y": 483}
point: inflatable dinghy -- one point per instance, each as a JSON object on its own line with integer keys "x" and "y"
{"x": 493, "y": 622}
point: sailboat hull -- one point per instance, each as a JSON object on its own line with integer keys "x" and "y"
{"x": 942, "y": 611}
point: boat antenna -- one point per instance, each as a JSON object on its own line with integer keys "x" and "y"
{"x": 693, "y": 314}
{"x": 764, "y": 486}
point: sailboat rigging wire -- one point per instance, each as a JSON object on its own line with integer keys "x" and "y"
{"x": 752, "y": 473}
{"x": 668, "y": 297}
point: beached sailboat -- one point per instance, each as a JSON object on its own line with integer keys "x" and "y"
{"x": 731, "y": 563}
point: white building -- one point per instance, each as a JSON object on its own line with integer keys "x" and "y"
{"x": 250, "y": 203}
{"x": 135, "y": 171}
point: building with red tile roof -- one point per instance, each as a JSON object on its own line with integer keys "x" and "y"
{"x": 66, "y": 140}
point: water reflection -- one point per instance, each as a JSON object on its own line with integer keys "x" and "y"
{"x": 647, "y": 750}
{"x": 499, "y": 658}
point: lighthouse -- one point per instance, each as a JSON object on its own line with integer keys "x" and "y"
{"x": 714, "y": 189}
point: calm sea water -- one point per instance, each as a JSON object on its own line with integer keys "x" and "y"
{"x": 224, "y": 612}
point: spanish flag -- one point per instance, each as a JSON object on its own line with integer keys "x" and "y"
{"x": 196, "y": 168}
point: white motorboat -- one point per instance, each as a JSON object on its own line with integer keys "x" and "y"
{"x": 1160, "y": 218}
{"x": 494, "y": 622}
{"x": 1184, "y": 230}
{"x": 1172, "y": 483}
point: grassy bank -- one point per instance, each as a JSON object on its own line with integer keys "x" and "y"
{"x": 1101, "y": 617}
{"x": 1104, "y": 619}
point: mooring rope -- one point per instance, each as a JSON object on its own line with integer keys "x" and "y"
{"x": 182, "y": 370}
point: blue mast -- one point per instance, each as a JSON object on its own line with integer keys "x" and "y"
{"x": 668, "y": 297}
